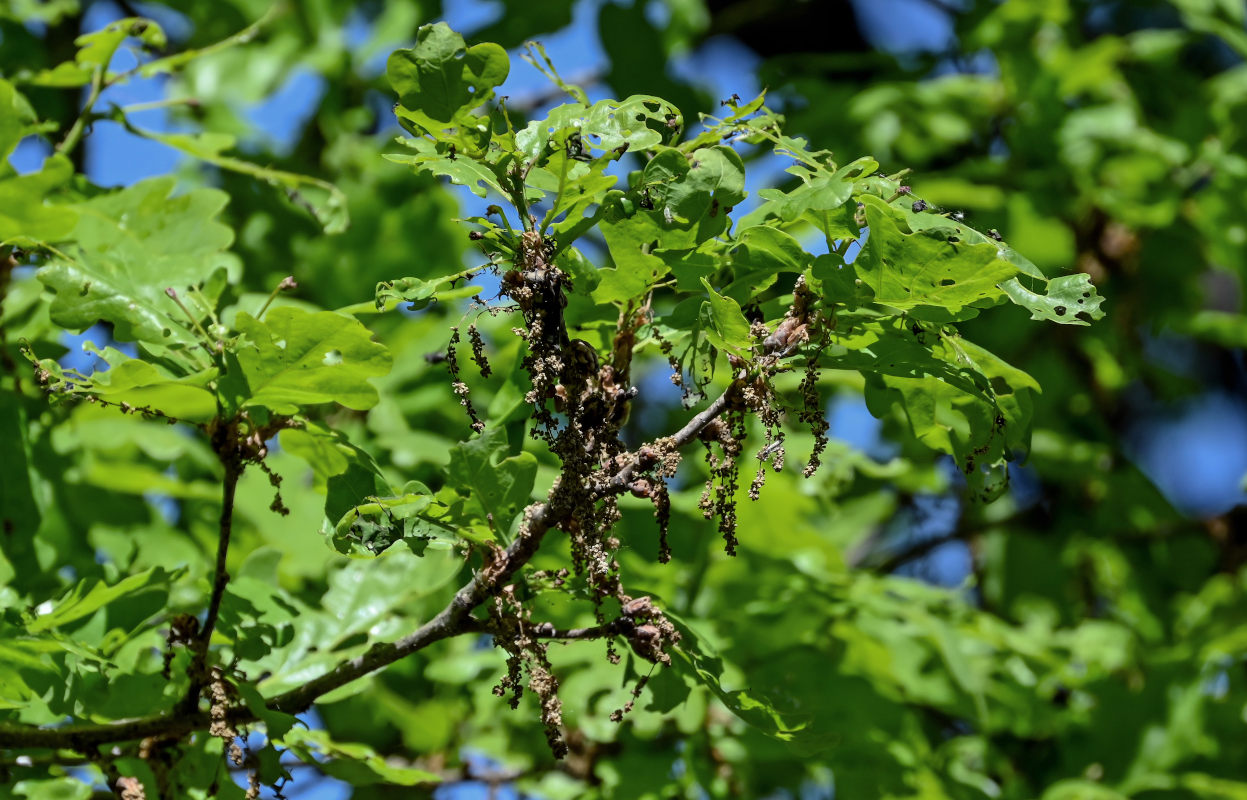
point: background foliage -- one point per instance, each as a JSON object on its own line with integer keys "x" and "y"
{"x": 1092, "y": 644}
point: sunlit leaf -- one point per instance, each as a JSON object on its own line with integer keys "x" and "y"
{"x": 128, "y": 247}
{"x": 294, "y": 358}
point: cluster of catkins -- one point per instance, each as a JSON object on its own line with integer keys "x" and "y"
{"x": 581, "y": 402}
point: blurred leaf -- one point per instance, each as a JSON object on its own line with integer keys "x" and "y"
{"x": 92, "y": 594}
{"x": 321, "y": 198}
{"x": 356, "y": 764}
{"x": 26, "y": 217}
{"x": 53, "y": 789}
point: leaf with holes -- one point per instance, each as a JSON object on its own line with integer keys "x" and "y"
{"x": 441, "y": 79}
{"x": 917, "y": 270}
{"x": 1070, "y": 300}
{"x": 128, "y": 247}
{"x": 427, "y": 157}
{"x": 639, "y": 122}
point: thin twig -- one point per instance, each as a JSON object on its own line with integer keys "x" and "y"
{"x": 198, "y": 674}
{"x": 618, "y": 484}
{"x": 232, "y": 474}
{"x": 920, "y": 548}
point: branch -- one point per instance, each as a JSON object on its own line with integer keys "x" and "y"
{"x": 221, "y": 578}
{"x": 618, "y": 484}
{"x": 920, "y": 548}
{"x": 453, "y": 620}
{"x": 203, "y": 641}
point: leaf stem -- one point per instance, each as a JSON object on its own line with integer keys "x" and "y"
{"x": 207, "y": 340}
{"x": 155, "y": 104}
{"x": 75, "y": 133}
{"x": 558, "y": 196}
{"x": 287, "y": 282}
{"x": 203, "y": 302}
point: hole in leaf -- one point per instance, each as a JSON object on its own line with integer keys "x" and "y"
{"x": 332, "y": 359}
{"x": 280, "y": 344}
{"x": 1060, "y": 311}
{"x": 948, "y": 282}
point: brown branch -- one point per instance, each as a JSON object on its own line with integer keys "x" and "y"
{"x": 618, "y": 483}
{"x": 221, "y": 579}
{"x": 229, "y": 486}
{"x": 453, "y": 620}
{"x": 920, "y": 548}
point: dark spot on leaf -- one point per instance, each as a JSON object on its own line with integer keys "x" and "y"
{"x": 948, "y": 282}
{"x": 1060, "y": 311}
